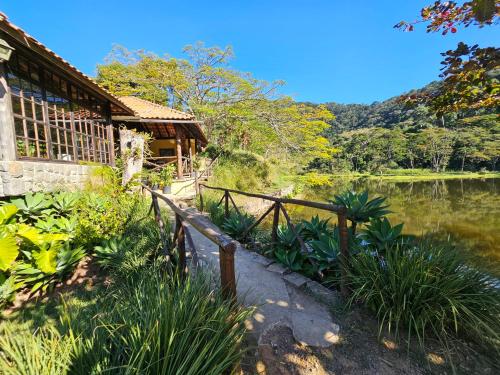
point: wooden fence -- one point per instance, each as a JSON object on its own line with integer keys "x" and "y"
{"x": 278, "y": 208}
{"x": 227, "y": 246}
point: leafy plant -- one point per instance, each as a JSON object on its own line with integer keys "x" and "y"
{"x": 380, "y": 234}
{"x": 292, "y": 259}
{"x": 67, "y": 259}
{"x": 215, "y": 212}
{"x": 314, "y": 228}
{"x": 33, "y": 206}
{"x": 359, "y": 208}
{"x": 110, "y": 253}
{"x": 64, "y": 202}
{"x": 8, "y": 287}
{"x": 287, "y": 238}
{"x": 166, "y": 175}
{"x": 428, "y": 289}
{"x": 237, "y": 224}
{"x": 325, "y": 252}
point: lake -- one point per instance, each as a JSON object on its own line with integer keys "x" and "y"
{"x": 465, "y": 210}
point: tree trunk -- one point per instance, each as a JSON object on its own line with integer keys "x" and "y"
{"x": 132, "y": 152}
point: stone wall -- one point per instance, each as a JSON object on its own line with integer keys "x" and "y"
{"x": 20, "y": 177}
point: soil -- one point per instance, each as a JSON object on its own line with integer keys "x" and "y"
{"x": 86, "y": 275}
{"x": 360, "y": 352}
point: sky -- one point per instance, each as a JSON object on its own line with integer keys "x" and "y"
{"x": 343, "y": 51}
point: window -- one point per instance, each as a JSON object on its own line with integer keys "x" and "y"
{"x": 55, "y": 119}
{"x": 167, "y": 152}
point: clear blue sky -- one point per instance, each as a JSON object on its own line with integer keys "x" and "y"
{"x": 328, "y": 50}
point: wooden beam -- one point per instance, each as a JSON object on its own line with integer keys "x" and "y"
{"x": 178, "y": 146}
{"x": 7, "y": 130}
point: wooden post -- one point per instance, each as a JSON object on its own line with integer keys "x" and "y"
{"x": 227, "y": 274}
{"x": 344, "y": 252}
{"x": 7, "y": 132}
{"x": 226, "y": 204}
{"x": 196, "y": 184}
{"x": 178, "y": 146}
{"x": 201, "y": 198}
{"x": 111, "y": 140}
{"x": 276, "y": 221}
{"x": 190, "y": 157}
{"x": 74, "y": 142}
{"x": 181, "y": 247}
{"x": 161, "y": 225}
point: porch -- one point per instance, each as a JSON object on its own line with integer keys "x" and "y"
{"x": 177, "y": 136}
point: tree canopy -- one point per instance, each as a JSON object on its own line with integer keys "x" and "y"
{"x": 237, "y": 110}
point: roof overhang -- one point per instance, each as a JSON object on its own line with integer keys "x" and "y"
{"x": 23, "y": 41}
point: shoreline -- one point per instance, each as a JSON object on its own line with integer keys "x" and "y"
{"x": 407, "y": 177}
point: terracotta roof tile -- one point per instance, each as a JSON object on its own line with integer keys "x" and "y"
{"x": 29, "y": 39}
{"x": 149, "y": 110}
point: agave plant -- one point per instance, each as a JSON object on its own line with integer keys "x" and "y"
{"x": 292, "y": 259}
{"x": 359, "y": 208}
{"x": 287, "y": 238}
{"x": 68, "y": 258}
{"x": 64, "y": 202}
{"x": 314, "y": 228}
{"x": 381, "y": 234}
{"x": 33, "y": 205}
{"x": 325, "y": 252}
{"x": 110, "y": 253}
{"x": 236, "y": 225}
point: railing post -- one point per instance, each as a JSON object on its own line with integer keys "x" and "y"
{"x": 181, "y": 247}
{"x": 159, "y": 220}
{"x": 227, "y": 274}
{"x": 344, "y": 252}
{"x": 226, "y": 204}
{"x": 201, "y": 198}
{"x": 196, "y": 186}
{"x": 276, "y": 221}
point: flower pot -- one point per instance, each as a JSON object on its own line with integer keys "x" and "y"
{"x": 167, "y": 189}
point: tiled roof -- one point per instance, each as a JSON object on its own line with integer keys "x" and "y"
{"x": 148, "y": 110}
{"x": 30, "y": 42}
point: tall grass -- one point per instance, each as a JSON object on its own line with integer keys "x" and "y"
{"x": 159, "y": 325}
{"x": 44, "y": 352}
{"x": 428, "y": 288}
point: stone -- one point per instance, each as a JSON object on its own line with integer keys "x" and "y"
{"x": 278, "y": 268}
{"x": 296, "y": 279}
{"x": 322, "y": 293}
{"x": 15, "y": 169}
{"x": 261, "y": 259}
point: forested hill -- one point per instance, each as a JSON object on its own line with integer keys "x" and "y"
{"x": 390, "y": 135}
{"x": 389, "y": 113}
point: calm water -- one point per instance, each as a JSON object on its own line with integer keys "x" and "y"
{"x": 467, "y": 210}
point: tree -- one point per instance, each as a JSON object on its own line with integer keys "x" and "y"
{"x": 237, "y": 110}
{"x": 436, "y": 145}
{"x": 470, "y": 74}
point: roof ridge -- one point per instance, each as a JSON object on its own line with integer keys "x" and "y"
{"x": 161, "y": 106}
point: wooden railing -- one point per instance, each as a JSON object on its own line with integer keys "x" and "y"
{"x": 227, "y": 246}
{"x": 278, "y": 208}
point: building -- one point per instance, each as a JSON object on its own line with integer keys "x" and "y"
{"x": 56, "y": 123}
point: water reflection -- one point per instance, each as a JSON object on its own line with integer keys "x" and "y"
{"x": 466, "y": 210}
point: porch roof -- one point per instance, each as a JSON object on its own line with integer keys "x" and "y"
{"x": 159, "y": 119}
{"x": 23, "y": 40}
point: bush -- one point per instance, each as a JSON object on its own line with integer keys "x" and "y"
{"x": 428, "y": 288}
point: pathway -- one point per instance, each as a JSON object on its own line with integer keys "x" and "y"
{"x": 281, "y": 297}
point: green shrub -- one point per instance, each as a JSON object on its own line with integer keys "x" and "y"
{"x": 428, "y": 288}
{"x": 237, "y": 224}
{"x": 215, "y": 212}
{"x": 155, "y": 324}
{"x": 111, "y": 252}
{"x": 314, "y": 228}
